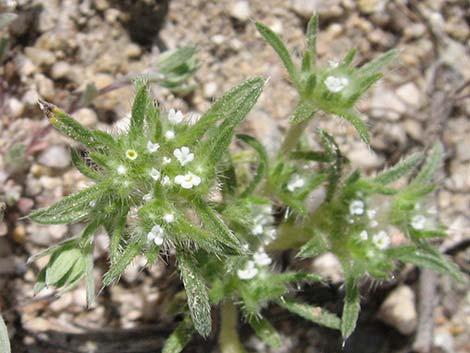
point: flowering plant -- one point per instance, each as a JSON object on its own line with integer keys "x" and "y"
{"x": 171, "y": 184}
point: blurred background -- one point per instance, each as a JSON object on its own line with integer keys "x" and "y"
{"x": 82, "y": 54}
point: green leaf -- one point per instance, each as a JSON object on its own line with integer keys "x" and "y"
{"x": 262, "y": 162}
{"x": 4, "y": 339}
{"x": 303, "y": 111}
{"x": 139, "y": 108}
{"x": 6, "y": 18}
{"x": 70, "y": 209}
{"x": 399, "y": 170}
{"x": 217, "y": 227}
{"x": 179, "y": 338}
{"x": 310, "y": 156}
{"x": 281, "y": 50}
{"x": 81, "y": 165}
{"x": 153, "y": 120}
{"x": 312, "y": 29}
{"x": 67, "y": 125}
{"x": 68, "y": 243}
{"x": 127, "y": 256}
{"x": 357, "y": 122}
{"x": 432, "y": 164}
{"x": 89, "y": 279}
{"x": 375, "y": 65}
{"x": 234, "y": 104}
{"x": 348, "y": 58}
{"x": 314, "y": 247}
{"x": 351, "y": 307}
{"x": 172, "y": 60}
{"x": 196, "y": 291}
{"x": 60, "y": 264}
{"x": 265, "y": 331}
{"x": 315, "y": 314}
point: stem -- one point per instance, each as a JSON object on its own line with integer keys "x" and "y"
{"x": 228, "y": 337}
{"x": 293, "y": 136}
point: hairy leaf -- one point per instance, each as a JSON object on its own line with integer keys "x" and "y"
{"x": 262, "y": 162}
{"x": 430, "y": 167}
{"x": 398, "y": 170}
{"x": 81, "y": 165}
{"x": 265, "y": 331}
{"x": 378, "y": 63}
{"x": 315, "y": 314}
{"x": 303, "y": 112}
{"x": 124, "y": 259}
{"x": 179, "y": 338}
{"x": 351, "y": 307}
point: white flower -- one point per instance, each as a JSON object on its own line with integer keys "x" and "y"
{"x": 381, "y": 240}
{"x": 295, "y": 183}
{"x": 170, "y": 135}
{"x": 356, "y": 207}
{"x": 169, "y": 217}
{"x": 152, "y": 147}
{"x": 166, "y": 180}
{"x": 155, "y": 174}
{"x": 166, "y": 160}
{"x": 183, "y": 155}
{"x": 363, "y": 235}
{"x": 248, "y": 272}
{"x": 261, "y": 258}
{"x": 188, "y": 180}
{"x": 333, "y": 64}
{"x": 371, "y": 214}
{"x": 418, "y": 222}
{"x": 175, "y": 116}
{"x": 156, "y": 235}
{"x": 131, "y": 154}
{"x": 336, "y": 84}
{"x": 121, "y": 170}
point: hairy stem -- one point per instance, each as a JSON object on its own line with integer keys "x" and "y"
{"x": 292, "y": 137}
{"x": 228, "y": 338}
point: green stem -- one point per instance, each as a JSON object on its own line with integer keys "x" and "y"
{"x": 228, "y": 337}
{"x": 292, "y": 137}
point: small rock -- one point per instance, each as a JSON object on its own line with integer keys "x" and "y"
{"x": 210, "y": 89}
{"x": 40, "y": 57}
{"x": 325, "y": 9}
{"x": 386, "y": 104}
{"x": 55, "y": 156}
{"x": 133, "y": 51}
{"x": 410, "y": 94}
{"x": 240, "y": 11}
{"x": 63, "y": 70}
{"x": 31, "y": 97}
{"x": 45, "y": 86}
{"x": 328, "y": 265}
{"x": 399, "y": 310}
{"x": 414, "y": 129}
{"x": 463, "y": 150}
{"x": 25, "y": 205}
{"x": 371, "y": 6}
{"x": 443, "y": 339}
{"x": 364, "y": 158}
{"x": 15, "y": 107}
{"x": 86, "y": 117}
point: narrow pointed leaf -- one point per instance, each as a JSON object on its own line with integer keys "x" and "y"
{"x": 431, "y": 165}
{"x": 315, "y": 314}
{"x": 348, "y": 58}
{"x": 4, "y": 339}
{"x": 312, "y": 29}
{"x": 304, "y": 111}
{"x": 179, "y": 338}
{"x": 378, "y": 63}
{"x": 67, "y": 125}
{"x": 351, "y": 307}
{"x": 139, "y": 108}
{"x": 309, "y": 156}
{"x": 314, "y": 247}
{"x": 89, "y": 280}
{"x": 281, "y": 50}
{"x": 60, "y": 264}
{"x": 68, "y": 243}
{"x": 399, "y": 170}
{"x": 170, "y": 61}
{"x": 70, "y": 209}
{"x": 357, "y": 122}
{"x": 196, "y": 291}
{"x": 127, "y": 256}
{"x": 262, "y": 162}
{"x": 266, "y": 332}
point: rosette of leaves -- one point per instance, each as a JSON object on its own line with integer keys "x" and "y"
{"x": 149, "y": 192}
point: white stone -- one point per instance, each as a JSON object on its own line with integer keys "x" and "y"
{"x": 56, "y": 156}
{"x": 240, "y": 10}
{"x": 399, "y": 310}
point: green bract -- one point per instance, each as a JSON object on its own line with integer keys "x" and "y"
{"x": 168, "y": 183}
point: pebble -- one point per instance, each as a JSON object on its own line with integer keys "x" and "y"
{"x": 210, "y": 89}
{"x": 463, "y": 150}
{"x": 240, "y": 10}
{"x": 133, "y": 51}
{"x": 363, "y": 157}
{"x": 325, "y": 9}
{"x": 399, "y": 310}
{"x": 386, "y": 104}
{"x": 413, "y": 128}
{"x": 328, "y": 266}
{"x": 39, "y": 56}
{"x": 371, "y": 6}
{"x": 45, "y": 86}
{"x": 63, "y": 70}
{"x": 15, "y": 107}
{"x": 410, "y": 94}
{"x": 31, "y": 97}
{"x": 86, "y": 117}
{"x": 56, "y": 156}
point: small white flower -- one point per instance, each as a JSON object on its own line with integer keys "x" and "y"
{"x": 131, "y": 154}
{"x": 248, "y": 272}
{"x": 188, "y": 180}
{"x": 121, "y": 170}
{"x": 147, "y": 197}
{"x": 170, "y": 135}
{"x": 363, "y": 235}
{"x": 336, "y": 84}
{"x": 166, "y": 180}
{"x": 381, "y": 240}
{"x": 261, "y": 258}
{"x": 356, "y": 207}
{"x": 418, "y": 222}
{"x": 371, "y": 214}
{"x": 152, "y": 147}
{"x": 257, "y": 229}
{"x": 169, "y": 217}
{"x": 295, "y": 183}
{"x": 333, "y": 63}
{"x": 156, "y": 235}
{"x": 183, "y": 155}
{"x": 155, "y": 174}
{"x": 166, "y": 160}
{"x": 175, "y": 116}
